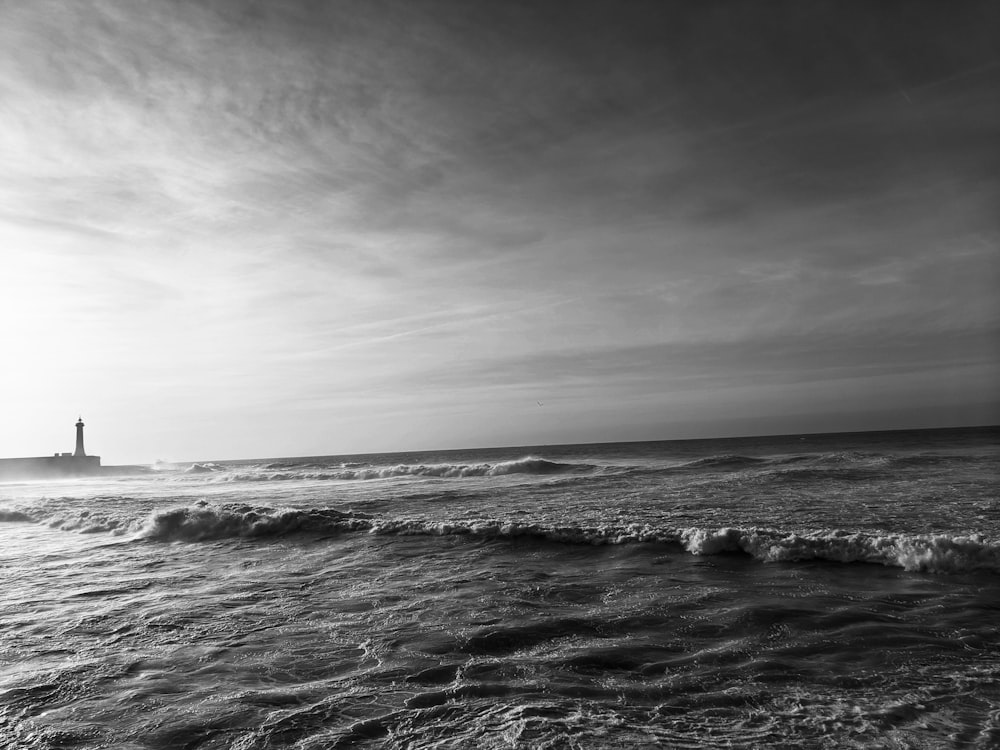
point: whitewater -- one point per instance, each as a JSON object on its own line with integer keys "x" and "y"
{"x": 808, "y": 591}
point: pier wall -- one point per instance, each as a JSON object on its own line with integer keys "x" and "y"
{"x": 49, "y": 467}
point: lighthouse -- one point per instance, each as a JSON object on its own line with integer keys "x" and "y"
{"x": 56, "y": 466}
{"x": 79, "y": 453}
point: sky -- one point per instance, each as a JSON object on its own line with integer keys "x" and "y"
{"x": 248, "y": 228}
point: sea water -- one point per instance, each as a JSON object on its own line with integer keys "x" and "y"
{"x": 820, "y": 591}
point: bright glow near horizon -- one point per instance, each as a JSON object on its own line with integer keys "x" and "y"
{"x": 253, "y": 229}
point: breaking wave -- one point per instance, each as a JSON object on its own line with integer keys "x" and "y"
{"x": 202, "y": 468}
{"x": 940, "y": 553}
{"x": 202, "y": 521}
{"x": 800, "y": 467}
{"x": 725, "y": 462}
{"x": 349, "y": 472}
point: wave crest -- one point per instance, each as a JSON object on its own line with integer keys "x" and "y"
{"x": 526, "y": 465}
{"x": 204, "y": 522}
{"x": 725, "y": 461}
{"x": 206, "y": 468}
{"x": 941, "y": 553}
{"x": 933, "y": 553}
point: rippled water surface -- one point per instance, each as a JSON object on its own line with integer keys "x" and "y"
{"x": 823, "y": 591}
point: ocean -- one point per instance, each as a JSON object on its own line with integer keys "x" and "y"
{"x": 815, "y": 591}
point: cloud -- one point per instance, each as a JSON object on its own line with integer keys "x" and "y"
{"x": 276, "y": 203}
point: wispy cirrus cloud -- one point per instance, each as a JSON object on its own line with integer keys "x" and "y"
{"x": 384, "y": 205}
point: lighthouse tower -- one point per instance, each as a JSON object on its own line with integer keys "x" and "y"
{"x": 79, "y": 453}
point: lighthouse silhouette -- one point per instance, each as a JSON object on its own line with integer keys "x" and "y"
{"x": 79, "y": 452}
{"x": 58, "y": 465}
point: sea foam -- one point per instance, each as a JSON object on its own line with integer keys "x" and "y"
{"x": 940, "y": 553}
{"x": 266, "y": 473}
{"x": 203, "y": 520}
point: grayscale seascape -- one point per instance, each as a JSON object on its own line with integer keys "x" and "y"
{"x": 823, "y": 591}
{"x": 279, "y": 279}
